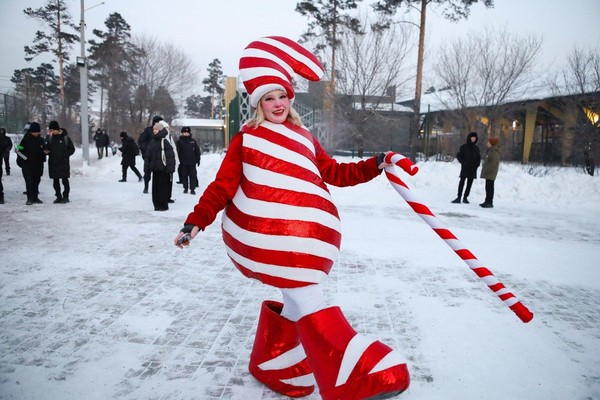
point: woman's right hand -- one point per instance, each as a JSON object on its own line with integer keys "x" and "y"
{"x": 185, "y": 236}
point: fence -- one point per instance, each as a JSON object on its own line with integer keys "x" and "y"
{"x": 12, "y": 113}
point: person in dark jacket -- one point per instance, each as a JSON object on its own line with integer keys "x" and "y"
{"x": 31, "y": 158}
{"x": 129, "y": 150}
{"x": 106, "y": 141}
{"x": 470, "y": 159}
{"x": 189, "y": 158}
{"x": 59, "y": 148}
{"x": 489, "y": 171}
{"x": 99, "y": 139}
{"x": 3, "y": 149}
{"x": 160, "y": 162}
{"x": 6, "y": 153}
{"x": 143, "y": 142}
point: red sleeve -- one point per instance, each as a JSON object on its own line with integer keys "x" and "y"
{"x": 345, "y": 174}
{"x": 220, "y": 191}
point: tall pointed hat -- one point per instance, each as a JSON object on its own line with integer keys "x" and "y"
{"x": 270, "y": 62}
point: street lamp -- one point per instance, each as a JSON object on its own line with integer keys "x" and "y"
{"x": 83, "y": 79}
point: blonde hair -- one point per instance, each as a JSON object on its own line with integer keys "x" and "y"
{"x": 259, "y": 117}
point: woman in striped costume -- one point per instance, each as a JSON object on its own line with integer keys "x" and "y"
{"x": 281, "y": 227}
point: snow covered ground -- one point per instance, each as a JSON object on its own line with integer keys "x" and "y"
{"x": 96, "y": 303}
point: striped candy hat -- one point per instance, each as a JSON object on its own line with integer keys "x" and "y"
{"x": 269, "y": 63}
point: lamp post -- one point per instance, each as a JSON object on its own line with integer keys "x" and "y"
{"x": 83, "y": 79}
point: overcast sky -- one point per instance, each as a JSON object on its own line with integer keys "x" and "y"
{"x": 206, "y": 30}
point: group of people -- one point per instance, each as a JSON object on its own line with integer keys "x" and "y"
{"x": 32, "y": 153}
{"x": 102, "y": 141}
{"x": 469, "y": 158}
{"x": 163, "y": 156}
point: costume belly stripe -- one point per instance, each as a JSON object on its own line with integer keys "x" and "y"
{"x": 291, "y": 273}
{"x": 274, "y": 280}
{"x": 282, "y": 243}
{"x": 288, "y": 197}
{"x": 266, "y": 209}
{"x": 277, "y": 257}
{"x": 282, "y": 227}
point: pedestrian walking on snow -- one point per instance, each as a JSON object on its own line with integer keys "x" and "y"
{"x": 105, "y": 141}
{"x": 99, "y": 140}
{"x": 129, "y": 150}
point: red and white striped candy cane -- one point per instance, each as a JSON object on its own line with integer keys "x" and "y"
{"x": 426, "y": 215}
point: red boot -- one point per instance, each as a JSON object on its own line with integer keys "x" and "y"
{"x": 278, "y": 359}
{"x": 347, "y": 365}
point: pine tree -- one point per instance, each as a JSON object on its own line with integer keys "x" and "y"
{"x": 163, "y": 104}
{"x": 38, "y": 87}
{"x": 57, "y": 40}
{"x": 213, "y": 84}
{"x": 113, "y": 57}
{"x": 197, "y": 106}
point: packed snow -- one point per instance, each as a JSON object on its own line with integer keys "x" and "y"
{"x": 97, "y": 303}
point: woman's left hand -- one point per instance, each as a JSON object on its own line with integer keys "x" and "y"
{"x": 381, "y": 164}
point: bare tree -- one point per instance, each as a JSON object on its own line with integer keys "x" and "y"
{"x": 578, "y": 85}
{"x": 372, "y": 62}
{"x": 483, "y": 71}
{"x": 453, "y": 10}
{"x": 372, "y": 65}
{"x": 581, "y": 74}
{"x": 164, "y": 65}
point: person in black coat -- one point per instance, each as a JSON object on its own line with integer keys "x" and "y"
{"x": 143, "y": 142}
{"x": 3, "y": 149}
{"x": 6, "y": 153}
{"x": 99, "y": 139}
{"x": 189, "y": 158}
{"x": 129, "y": 150}
{"x": 106, "y": 141}
{"x": 31, "y": 158}
{"x": 59, "y": 148}
{"x": 470, "y": 159}
{"x": 159, "y": 160}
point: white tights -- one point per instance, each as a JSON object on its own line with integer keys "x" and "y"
{"x": 302, "y": 301}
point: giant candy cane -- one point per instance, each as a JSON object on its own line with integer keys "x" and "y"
{"x": 426, "y": 215}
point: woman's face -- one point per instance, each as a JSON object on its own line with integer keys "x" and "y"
{"x": 276, "y": 106}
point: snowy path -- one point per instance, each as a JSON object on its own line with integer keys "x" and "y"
{"x": 96, "y": 303}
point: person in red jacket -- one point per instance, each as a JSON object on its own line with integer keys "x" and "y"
{"x": 281, "y": 227}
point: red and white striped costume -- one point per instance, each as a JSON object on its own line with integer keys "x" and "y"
{"x": 280, "y": 225}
